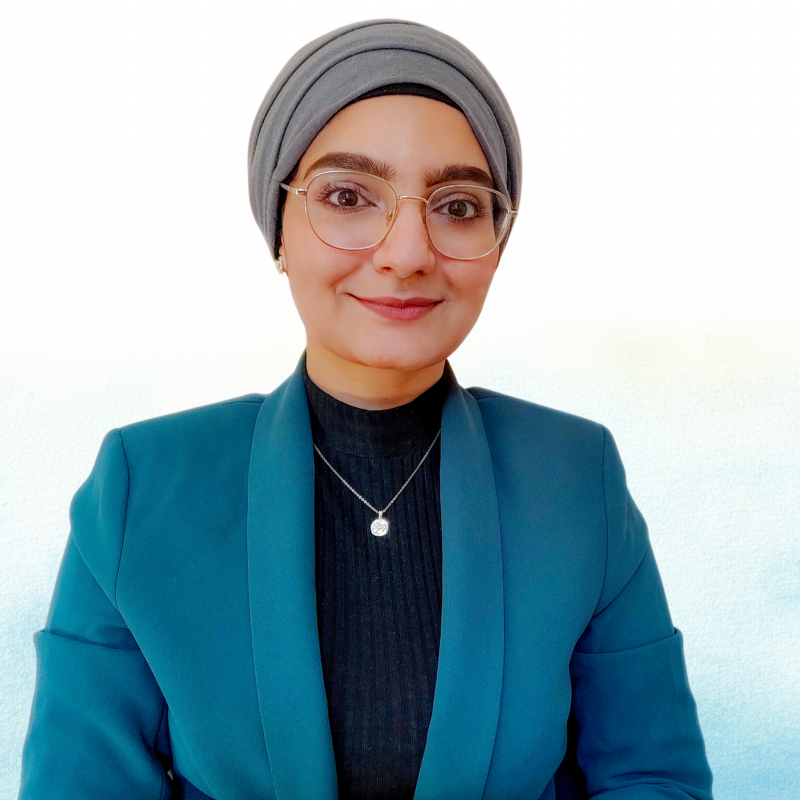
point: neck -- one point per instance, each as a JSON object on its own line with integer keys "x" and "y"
{"x": 362, "y": 386}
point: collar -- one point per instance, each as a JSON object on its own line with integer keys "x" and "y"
{"x": 403, "y": 430}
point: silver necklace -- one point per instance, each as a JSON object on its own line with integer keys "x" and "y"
{"x": 379, "y": 526}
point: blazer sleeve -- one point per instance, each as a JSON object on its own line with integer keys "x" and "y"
{"x": 638, "y": 733}
{"x": 98, "y": 725}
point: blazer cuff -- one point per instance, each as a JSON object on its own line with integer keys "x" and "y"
{"x": 638, "y": 721}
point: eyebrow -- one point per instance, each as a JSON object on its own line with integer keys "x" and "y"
{"x": 458, "y": 173}
{"x": 354, "y": 162}
{"x": 359, "y": 162}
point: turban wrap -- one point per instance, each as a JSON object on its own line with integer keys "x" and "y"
{"x": 342, "y": 66}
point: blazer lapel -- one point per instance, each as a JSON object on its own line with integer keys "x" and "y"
{"x": 280, "y": 542}
{"x": 280, "y": 534}
{"x": 466, "y": 704}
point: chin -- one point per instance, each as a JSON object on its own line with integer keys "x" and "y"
{"x": 404, "y": 359}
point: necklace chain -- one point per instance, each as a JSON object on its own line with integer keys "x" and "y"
{"x": 380, "y": 512}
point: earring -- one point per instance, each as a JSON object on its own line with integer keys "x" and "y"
{"x": 279, "y": 267}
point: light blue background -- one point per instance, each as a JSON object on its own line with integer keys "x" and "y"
{"x": 650, "y": 284}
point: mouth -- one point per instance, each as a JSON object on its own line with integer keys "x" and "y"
{"x": 410, "y": 308}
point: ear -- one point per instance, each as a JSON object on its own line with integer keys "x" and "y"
{"x": 282, "y": 255}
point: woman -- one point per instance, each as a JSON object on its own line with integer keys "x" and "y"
{"x": 259, "y": 598}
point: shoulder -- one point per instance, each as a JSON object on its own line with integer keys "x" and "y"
{"x": 195, "y": 425}
{"x": 190, "y": 456}
{"x": 147, "y": 468}
{"x": 514, "y": 420}
{"x": 526, "y": 426}
{"x": 569, "y": 457}
{"x": 196, "y": 436}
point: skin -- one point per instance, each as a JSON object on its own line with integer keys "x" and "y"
{"x": 354, "y": 353}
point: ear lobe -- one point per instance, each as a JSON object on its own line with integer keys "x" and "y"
{"x": 281, "y": 264}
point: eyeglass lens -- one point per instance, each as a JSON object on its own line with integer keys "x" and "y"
{"x": 354, "y": 210}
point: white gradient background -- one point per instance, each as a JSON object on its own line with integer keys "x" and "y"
{"x": 651, "y": 284}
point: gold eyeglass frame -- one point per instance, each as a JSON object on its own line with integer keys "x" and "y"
{"x": 507, "y": 223}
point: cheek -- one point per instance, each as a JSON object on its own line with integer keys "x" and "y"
{"x": 318, "y": 278}
{"x": 472, "y": 285}
{"x": 313, "y": 287}
{"x": 312, "y": 266}
{"x": 296, "y": 233}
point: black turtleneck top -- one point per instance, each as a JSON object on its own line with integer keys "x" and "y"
{"x": 379, "y": 599}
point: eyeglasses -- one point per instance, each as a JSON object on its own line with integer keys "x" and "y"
{"x": 356, "y": 211}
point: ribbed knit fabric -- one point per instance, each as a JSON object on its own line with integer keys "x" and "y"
{"x": 379, "y": 600}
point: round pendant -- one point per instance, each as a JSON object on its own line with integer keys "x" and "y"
{"x": 379, "y": 527}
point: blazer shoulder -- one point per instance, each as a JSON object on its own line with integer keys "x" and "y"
{"x": 530, "y": 439}
{"x": 141, "y": 464}
{"x": 195, "y": 426}
{"x": 515, "y": 415}
{"x": 205, "y": 414}
{"x": 588, "y": 445}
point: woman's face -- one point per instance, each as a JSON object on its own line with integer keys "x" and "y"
{"x": 400, "y": 305}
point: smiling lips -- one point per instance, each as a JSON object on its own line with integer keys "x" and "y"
{"x": 394, "y": 308}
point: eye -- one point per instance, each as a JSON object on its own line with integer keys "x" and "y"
{"x": 458, "y": 207}
{"x": 343, "y": 197}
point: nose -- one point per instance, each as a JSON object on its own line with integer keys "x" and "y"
{"x": 406, "y": 248}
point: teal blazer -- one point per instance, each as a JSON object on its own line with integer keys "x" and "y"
{"x": 181, "y": 654}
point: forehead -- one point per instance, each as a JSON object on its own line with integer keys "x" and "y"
{"x": 411, "y": 134}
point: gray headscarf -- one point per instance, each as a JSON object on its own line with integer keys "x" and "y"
{"x": 338, "y": 68}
